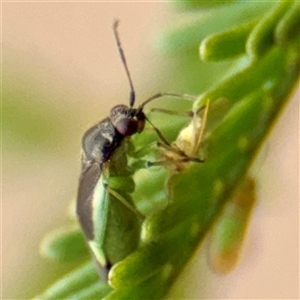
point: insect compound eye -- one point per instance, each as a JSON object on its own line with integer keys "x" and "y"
{"x": 127, "y": 126}
{"x": 127, "y": 121}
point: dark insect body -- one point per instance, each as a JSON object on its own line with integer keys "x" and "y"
{"x": 104, "y": 207}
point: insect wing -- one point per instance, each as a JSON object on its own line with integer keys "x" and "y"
{"x": 112, "y": 229}
{"x": 84, "y": 206}
{"x": 117, "y": 231}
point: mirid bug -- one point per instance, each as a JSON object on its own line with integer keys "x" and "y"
{"x": 105, "y": 210}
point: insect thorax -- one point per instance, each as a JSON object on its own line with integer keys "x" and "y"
{"x": 100, "y": 141}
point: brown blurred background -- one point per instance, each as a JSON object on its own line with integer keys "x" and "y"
{"x": 61, "y": 74}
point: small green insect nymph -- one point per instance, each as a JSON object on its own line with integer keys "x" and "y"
{"x": 229, "y": 231}
{"x": 105, "y": 209}
{"x": 176, "y": 157}
{"x": 184, "y": 149}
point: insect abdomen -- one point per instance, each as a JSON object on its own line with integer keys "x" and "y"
{"x": 116, "y": 227}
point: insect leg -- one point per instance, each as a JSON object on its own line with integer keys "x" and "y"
{"x": 183, "y": 156}
{"x": 124, "y": 202}
{"x": 160, "y": 135}
{"x": 185, "y": 114}
{"x": 199, "y": 135}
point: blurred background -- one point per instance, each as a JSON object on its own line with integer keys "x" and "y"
{"x": 61, "y": 73}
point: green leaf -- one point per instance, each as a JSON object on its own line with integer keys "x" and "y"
{"x": 191, "y": 29}
{"x": 182, "y": 207}
{"x": 190, "y": 4}
{"x": 65, "y": 244}
{"x": 229, "y": 232}
{"x": 261, "y": 38}
{"x": 184, "y": 224}
{"x": 245, "y": 81}
{"x": 288, "y": 27}
{"x": 227, "y": 44}
{"x": 79, "y": 284}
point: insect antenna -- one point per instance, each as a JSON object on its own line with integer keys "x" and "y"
{"x": 121, "y": 52}
{"x": 173, "y": 95}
